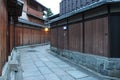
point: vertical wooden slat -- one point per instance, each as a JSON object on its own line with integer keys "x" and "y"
{"x": 54, "y": 37}
{"x": 106, "y": 34}
{"x": 61, "y": 38}
{"x": 95, "y": 40}
{"x": 3, "y": 31}
{"x": 75, "y": 37}
{"x": 28, "y": 36}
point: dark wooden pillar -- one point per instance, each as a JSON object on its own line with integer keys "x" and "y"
{"x": 83, "y": 32}
{"x": 8, "y": 36}
{"x": 114, "y": 32}
{"x": 14, "y": 41}
{"x": 114, "y": 25}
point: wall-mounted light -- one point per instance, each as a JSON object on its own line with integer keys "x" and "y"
{"x": 65, "y": 28}
{"x": 46, "y": 29}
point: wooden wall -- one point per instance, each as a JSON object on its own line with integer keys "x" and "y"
{"x": 90, "y": 36}
{"x": 31, "y": 9}
{"x": 27, "y": 35}
{"x": 35, "y": 20}
{"x": 12, "y": 37}
{"x": 95, "y": 31}
{"x": 60, "y": 38}
{"x": 3, "y": 30}
{"x": 96, "y": 36}
{"x": 19, "y": 35}
{"x": 76, "y": 37}
{"x": 54, "y": 37}
{"x": 34, "y": 12}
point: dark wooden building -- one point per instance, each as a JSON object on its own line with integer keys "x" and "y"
{"x": 21, "y": 23}
{"x": 8, "y": 10}
{"x": 89, "y": 34}
{"x": 30, "y": 27}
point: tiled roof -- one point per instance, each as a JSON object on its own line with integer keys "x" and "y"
{"x": 20, "y": 20}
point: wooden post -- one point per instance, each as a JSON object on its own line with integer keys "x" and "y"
{"x": 83, "y": 25}
{"x": 8, "y": 36}
{"x": 14, "y": 42}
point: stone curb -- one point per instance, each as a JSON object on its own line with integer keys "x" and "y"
{"x": 11, "y": 67}
{"x": 107, "y": 67}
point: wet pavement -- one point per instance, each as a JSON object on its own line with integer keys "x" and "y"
{"x": 39, "y": 64}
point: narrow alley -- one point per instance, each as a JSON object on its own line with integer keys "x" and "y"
{"x": 79, "y": 42}
{"x": 38, "y": 64}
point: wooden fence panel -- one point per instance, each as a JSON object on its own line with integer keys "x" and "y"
{"x": 18, "y": 36}
{"x": 28, "y": 36}
{"x": 76, "y": 37}
{"x": 54, "y": 37}
{"x": 66, "y": 39}
{"x": 3, "y": 31}
{"x": 11, "y": 37}
{"x": 60, "y": 38}
{"x": 96, "y": 42}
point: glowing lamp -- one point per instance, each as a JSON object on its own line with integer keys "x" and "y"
{"x": 46, "y": 29}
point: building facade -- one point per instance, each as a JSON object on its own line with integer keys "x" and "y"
{"x": 31, "y": 24}
{"x": 21, "y": 23}
{"x": 8, "y": 10}
{"x": 89, "y": 34}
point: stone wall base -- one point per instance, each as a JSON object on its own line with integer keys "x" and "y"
{"x": 103, "y": 65}
{"x": 12, "y": 67}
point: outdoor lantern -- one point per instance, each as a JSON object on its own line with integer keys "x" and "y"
{"x": 46, "y": 29}
{"x": 65, "y": 27}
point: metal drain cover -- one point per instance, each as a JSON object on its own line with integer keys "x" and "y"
{"x": 31, "y": 51}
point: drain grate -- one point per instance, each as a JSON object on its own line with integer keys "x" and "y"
{"x": 33, "y": 46}
{"x": 31, "y": 51}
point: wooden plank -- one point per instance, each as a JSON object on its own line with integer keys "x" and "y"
{"x": 76, "y": 37}
{"x": 95, "y": 40}
{"x": 106, "y": 38}
{"x": 60, "y": 38}
{"x": 54, "y": 37}
{"x": 3, "y": 31}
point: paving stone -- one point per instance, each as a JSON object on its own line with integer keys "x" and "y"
{"x": 40, "y": 77}
{"x": 69, "y": 68}
{"x": 77, "y": 74}
{"x": 29, "y": 61}
{"x": 51, "y": 77}
{"x": 64, "y": 66}
{"x": 33, "y": 73}
{"x": 31, "y": 68}
{"x": 44, "y": 59}
{"x": 45, "y": 70}
{"x": 58, "y": 71}
{"x": 28, "y": 65}
{"x": 66, "y": 77}
{"x": 55, "y": 60}
{"x": 51, "y": 64}
{"x": 88, "y": 78}
{"x": 41, "y": 65}
{"x": 26, "y": 59}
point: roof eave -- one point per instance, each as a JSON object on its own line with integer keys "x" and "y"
{"x": 30, "y": 23}
{"x": 35, "y": 16}
{"x": 83, "y": 9}
{"x": 45, "y": 8}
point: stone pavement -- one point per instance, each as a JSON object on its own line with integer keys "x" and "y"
{"x": 38, "y": 64}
